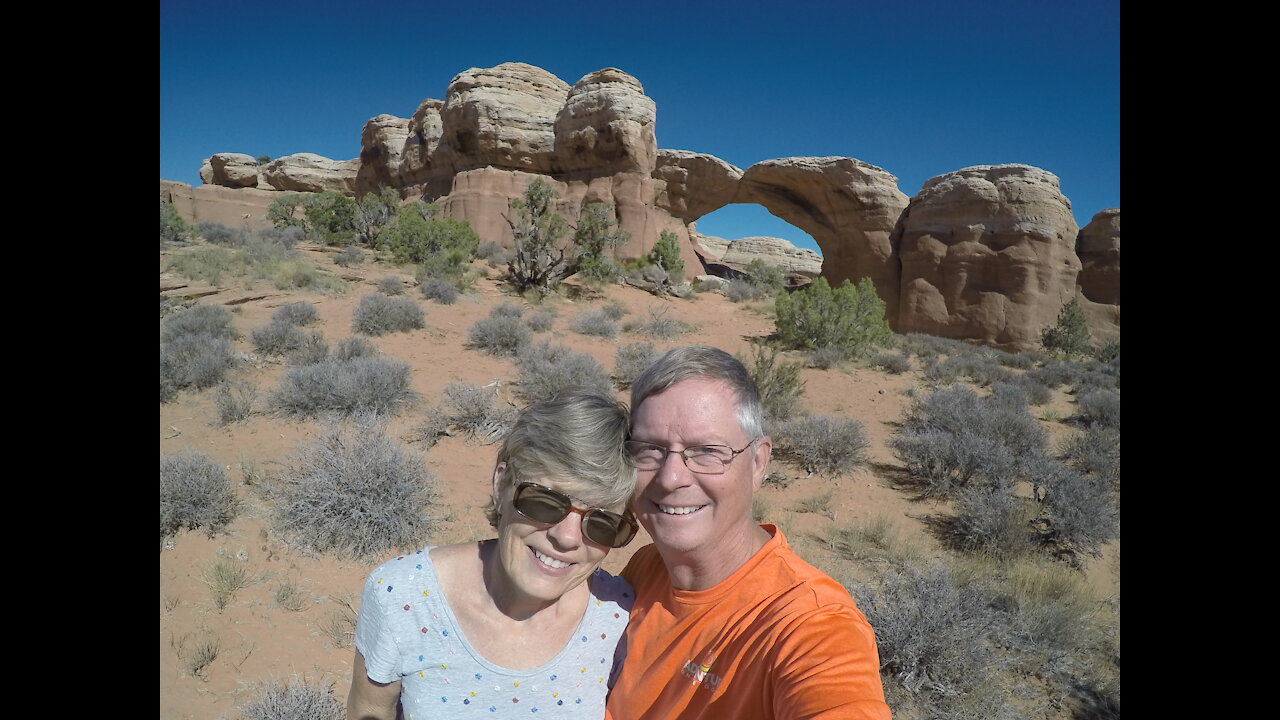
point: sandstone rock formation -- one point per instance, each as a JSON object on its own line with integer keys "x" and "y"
{"x": 308, "y": 172}
{"x": 984, "y": 253}
{"x": 1098, "y": 246}
{"x": 775, "y": 251}
{"x": 987, "y": 253}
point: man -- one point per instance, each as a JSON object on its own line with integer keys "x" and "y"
{"x": 728, "y": 622}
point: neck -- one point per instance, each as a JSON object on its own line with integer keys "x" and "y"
{"x": 705, "y": 568}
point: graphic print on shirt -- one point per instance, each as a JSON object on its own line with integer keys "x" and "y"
{"x": 699, "y": 672}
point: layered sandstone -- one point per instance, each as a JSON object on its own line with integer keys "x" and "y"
{"x": 987, "y": 253}
{"x": 774, "y": 251}
{"x": 308, "y": 172}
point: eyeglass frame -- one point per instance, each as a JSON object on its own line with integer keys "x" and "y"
{"x": 666, "y": 451}
{"x": 624, "y": 519}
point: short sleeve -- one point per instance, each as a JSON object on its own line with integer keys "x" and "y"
{"x": 374, "y": 636}
{"x": 827, "y": 667}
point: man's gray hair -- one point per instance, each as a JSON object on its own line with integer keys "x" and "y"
{"x": 573, "y": 437}
{"x": 701, "y": 361}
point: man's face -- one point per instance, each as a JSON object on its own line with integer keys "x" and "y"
{"x": 686, "y": 511}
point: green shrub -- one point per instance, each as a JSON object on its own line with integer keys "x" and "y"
{"x": 778, "y": 381}
{"x": 194, "y": 493}
{"x": 545, "y": 369}
{"x": 540, "y": 257}
{"x": 345, "y": 387}
{"x": 263, "y": 159}
{"x": 740, "y": 290}
{"x": 296, "y": 700}
{"x": 1070, "y": 335}
{"x": 769, "y": 278}
{"x": 850, "y": 318}
{"x": 172, "y": 227}
{"x": 824, "y": 444}
{"x": 327, "y": 217}
{"x": 373, "y": 212}
{"x": 442, "y": 246}
{"x": 354, "y": 492}
{"x": 499, "y": 335}
{"x": 379, "y": 315}
{"x": 666, "y": 255}
{"x": 630, "y": 361}
{"x": 596, "y": 235}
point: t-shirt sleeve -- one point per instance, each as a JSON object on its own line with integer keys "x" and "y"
{"x": 375, "y": 638}
{"x": 827, "y": 668}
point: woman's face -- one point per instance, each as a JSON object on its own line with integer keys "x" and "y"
{"x": 543, "y": 561}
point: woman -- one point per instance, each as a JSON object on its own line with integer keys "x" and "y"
{"x": 525, "y": 622}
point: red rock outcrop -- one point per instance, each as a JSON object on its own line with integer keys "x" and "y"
{"x": 988, "y": 254}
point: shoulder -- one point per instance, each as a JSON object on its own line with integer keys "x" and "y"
{"x": 645, "y": 567}
{"x": 612, "y": 589}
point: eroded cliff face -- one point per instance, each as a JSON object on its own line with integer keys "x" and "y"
{"x": 986, "y": 253}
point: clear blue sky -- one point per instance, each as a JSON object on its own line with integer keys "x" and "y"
{"x": 918, "y": 88}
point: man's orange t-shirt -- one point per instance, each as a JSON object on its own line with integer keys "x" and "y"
{"x": 776, "y": 640}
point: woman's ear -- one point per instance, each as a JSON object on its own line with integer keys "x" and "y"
{"x": 500, "y": 484}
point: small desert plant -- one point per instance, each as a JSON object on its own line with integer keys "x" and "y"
{"x": 893, "y": 362}
{"x": 277, "y": 338}
{"x": 488, "y": 249}
{"x": 353, "y": 491}
{"x": 434, "y": 423}
{"x": 819, "y": 504}
{"x": 615, "y": 310}
{"x": 440, "y": 290}
{"x": 296, "y": 700}
{"x": 851, "y": 317}
{"x": 1095, "y": 452}
{"x": 225, "y": 577}
{"x": 198, "y": 361}
{"x": 666, "y": 255}
{"x": 472, "y": 409}
{"x": 630, "y": 361}
{"x": 824, "y": 444}
{"x": 197, "y": 651}
{"x": 545, "y": 369}
{"x": 740, "y": 290}
{"x": 295, "y": 313}
{"x": 541, "y": 321}
{"x": 778, "y": 382}
{"x": 172, "y": 227}
{"x": 311, "y": 350}
{"x": 360, "y": 384}
{"x": 378, "y": 315}
{"x": 874, "y": 540}
{"x": 499, "y": 335}
{"x": 356, "y": 346}
{"x": 594, "y": 322}
{"x": 211, "y": 320}
{"x": 1079, "y": 510}
{"x": 992, "y": 520}
{"x": 507, "y": 309}
{"x": 660, "y": 326}
{"x": 194, "y": 493}
{"x": 1070, "y": 335}
{"x": 348, "y": 256}
{"x": 826, "y": 358}
{"x": 290, "y": 597}
{"x": 1018, "y": 361}
{"x": 1100, "y": 407}
{"x": 234, "y": 401}
{"x": 391, "y": 285}
{"x": 219, "y": 234}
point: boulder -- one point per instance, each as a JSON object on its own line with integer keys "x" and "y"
{"x": 1098, "y": 246}
{"x": 776, "y": 252}
{"x": 606, "y": 126}
{"x": 987, "y": 254}
{"x": 233, "y": 170}
{"x": 308, "y": 172}
{"x": 382, "y": 141}
{"x": 694, "y": 184}
{"x": 709, "y": 246}
{"x": 503, "y": 117}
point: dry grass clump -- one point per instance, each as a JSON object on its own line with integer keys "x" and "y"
{"x": 500, "y": 334}
{"x": 294, "y": 700}
{"x": 379, "y": 314}
{"x": 197, "y": 651}
{"x": 630, "y": 360}
{"x": 346, "y": 387}
{"x": 545, "y": 369}
{"x": 824, "y": 444}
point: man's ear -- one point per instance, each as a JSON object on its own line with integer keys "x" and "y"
{"x": 760, "y": 461}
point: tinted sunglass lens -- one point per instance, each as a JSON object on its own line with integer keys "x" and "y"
{"x": 542, "y": 505}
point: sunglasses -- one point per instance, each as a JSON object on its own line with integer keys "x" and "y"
{"x": 544, "y": 505}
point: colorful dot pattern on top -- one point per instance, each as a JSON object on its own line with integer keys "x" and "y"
{"x": 407, "y": 632}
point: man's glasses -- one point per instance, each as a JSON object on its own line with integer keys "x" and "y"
{"x": 705, "y": 459}
{"x": 544, "y": 505}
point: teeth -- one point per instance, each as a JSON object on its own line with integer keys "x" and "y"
{"x": 672, "y": 510}
{"x": 550, "y": 561}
